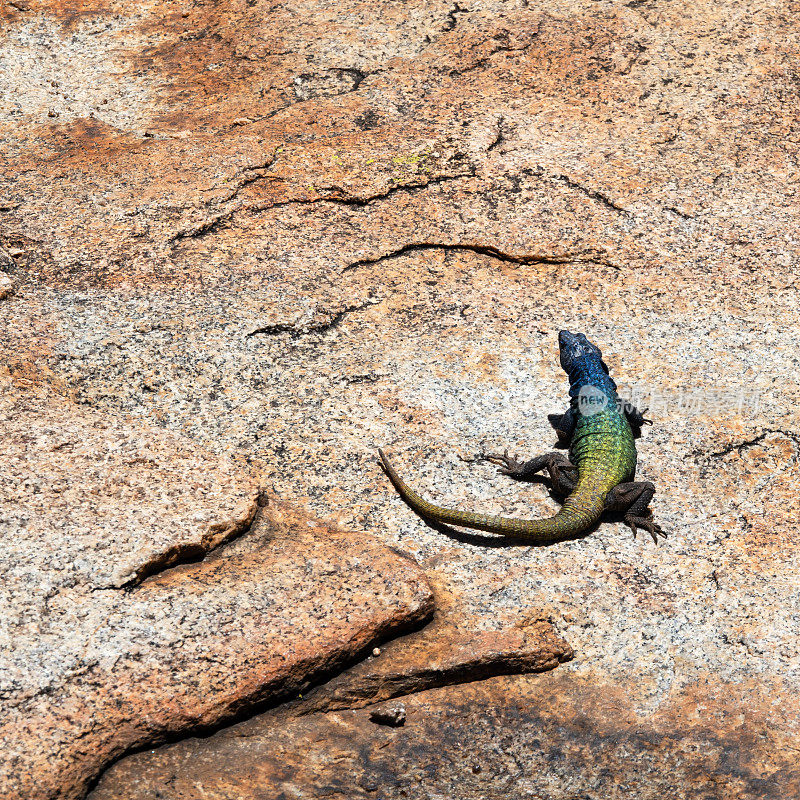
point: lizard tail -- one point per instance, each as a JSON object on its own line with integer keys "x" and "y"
{"x": 569, "y": 521}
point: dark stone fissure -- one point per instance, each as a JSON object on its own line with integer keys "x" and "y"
{"x": 321, "y": 327}
{"x": 486, "y": 250}
{"x": 192, "y": 552}
{"x": 739, "y": 447}
{"x": 339, "y": 197}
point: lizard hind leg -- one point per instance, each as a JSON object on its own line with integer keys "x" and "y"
{"x": 563, "y": 474}
{"x": 633, "y": 499}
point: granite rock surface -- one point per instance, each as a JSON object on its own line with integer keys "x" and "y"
{"x": 104, "y": 648}
{"x": 551, "y": 736}
{"x": 290, "y": 234}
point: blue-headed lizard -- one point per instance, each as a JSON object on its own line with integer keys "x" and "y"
{"x": 599, "y": 474}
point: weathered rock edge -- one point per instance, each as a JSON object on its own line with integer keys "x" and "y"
{"x": 99, "y": 655}
{"x": 163, "y": 692}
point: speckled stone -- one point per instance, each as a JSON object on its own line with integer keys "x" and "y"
{"x": 295, "y": 233}
{"x": 550, "y": 736}
{"x": 6, "y": 286}
{"x": 98, "y": 504}
{"x": 90, "y": 669}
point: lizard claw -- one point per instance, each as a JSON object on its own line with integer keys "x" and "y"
{"x": 507, "y": 463}
{"x": 563, "y": 437}
{"x": 647, "y": 524}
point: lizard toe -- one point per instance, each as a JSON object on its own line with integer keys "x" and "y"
{"x": 645, "y": 523}
{"x": 508, "y": 464}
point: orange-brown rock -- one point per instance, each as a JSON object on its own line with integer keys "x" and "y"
{"x": 89, "y": 669}
{"x": 550, "y": 736}
{"x": 441, "y": 654}
{"x": 291, "y": 233}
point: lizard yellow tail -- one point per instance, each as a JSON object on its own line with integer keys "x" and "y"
{"x": 561, "y": 526}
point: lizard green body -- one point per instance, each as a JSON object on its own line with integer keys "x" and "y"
{"x": 597, "y": 477}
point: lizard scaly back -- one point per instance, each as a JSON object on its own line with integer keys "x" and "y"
{"x": 602, "y": 450}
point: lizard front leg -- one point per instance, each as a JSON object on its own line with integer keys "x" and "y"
{"x": 563, "y": 474}
{"x": 564, "y": 425}
{"x": 634, "y": 498}
{"x": 635, "y": 417}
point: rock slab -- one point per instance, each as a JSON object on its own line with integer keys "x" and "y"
{"x": 297, "y": 232}
{"x": 95, "y": 659}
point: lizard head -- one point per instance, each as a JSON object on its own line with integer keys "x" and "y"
{"x": 575, "y": 348}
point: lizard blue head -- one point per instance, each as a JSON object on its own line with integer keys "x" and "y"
{"x": 583, "y": 362}
{"x": 576, "y": 349}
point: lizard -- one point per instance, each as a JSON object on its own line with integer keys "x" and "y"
{"x": 598, "y": 474}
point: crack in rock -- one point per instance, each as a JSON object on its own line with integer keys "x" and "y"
{"x": 482, "y": 62}
{"x": 486, "y": 250}
{"x": 192, "y": 552}
{"x": 338, "y": 196}
{"x": 484, "y": 663}
{"x": 740, "y": 447}
{"x": 500, "y": 138}
{"x": 305, "y": 89}
{"x": 451, "y": 20}
{"x": 594, "y": 194}
{"x": 329, "y": 83}
{"x": 679, "y": 213}
{"x": 296, "y": 332}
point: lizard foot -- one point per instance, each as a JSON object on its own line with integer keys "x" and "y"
{"x": 563, "y": 474}
{"x": 509, "y": 465}
{"x": 633, "y": 522}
